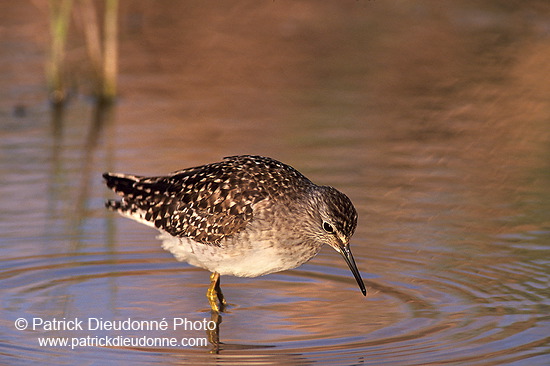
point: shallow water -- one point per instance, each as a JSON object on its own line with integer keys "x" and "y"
{"x": 433, "y": 118}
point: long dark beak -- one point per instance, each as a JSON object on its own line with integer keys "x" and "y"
{"x": 348, "y": 257}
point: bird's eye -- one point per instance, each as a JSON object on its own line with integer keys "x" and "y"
{"x": 328, "y": 227}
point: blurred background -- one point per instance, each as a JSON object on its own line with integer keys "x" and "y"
{"x": 432, "y": 116}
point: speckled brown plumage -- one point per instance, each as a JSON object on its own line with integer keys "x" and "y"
{"x": 209, "y": 202}
{"x": 246, "y": 215}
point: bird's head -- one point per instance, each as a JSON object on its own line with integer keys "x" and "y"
{"x": 335, "y": 220}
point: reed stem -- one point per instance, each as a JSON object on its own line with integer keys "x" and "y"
{"x": 110, "y": 54}
{"x": 60, "y": 15}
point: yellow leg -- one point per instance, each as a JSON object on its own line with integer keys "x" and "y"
{"x": 214, "y": 293}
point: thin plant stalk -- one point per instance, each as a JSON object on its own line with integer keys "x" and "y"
{"x": 110, "y": 54}
{"x": 90, "y": 25}
{"x": 60, "y": 15}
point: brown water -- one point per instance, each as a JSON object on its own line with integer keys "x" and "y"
{"x": 433, "y": 117}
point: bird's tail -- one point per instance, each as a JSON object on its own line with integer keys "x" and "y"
{"x": 133, "y": 199}
{"x": 123, "y": 185}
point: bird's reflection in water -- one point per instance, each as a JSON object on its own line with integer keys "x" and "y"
{"x": 214, "y": 334}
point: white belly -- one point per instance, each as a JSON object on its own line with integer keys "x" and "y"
{"x": 255, "y": 260}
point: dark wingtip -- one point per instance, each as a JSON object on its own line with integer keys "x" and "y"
{"x": 120, "y": 182}
{"x": 109, "y": 179}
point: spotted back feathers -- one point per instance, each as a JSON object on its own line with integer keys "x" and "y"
{"x": 206, "y": 203}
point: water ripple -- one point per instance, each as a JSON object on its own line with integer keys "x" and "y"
{"x": 311, "y": 314}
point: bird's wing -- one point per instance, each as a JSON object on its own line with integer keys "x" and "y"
{"x": 205, "y": 203}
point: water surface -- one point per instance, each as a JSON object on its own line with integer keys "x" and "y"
{"x": 432, "y": 117}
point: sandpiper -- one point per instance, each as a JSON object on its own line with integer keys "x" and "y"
{"x": 245, "y": 216}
